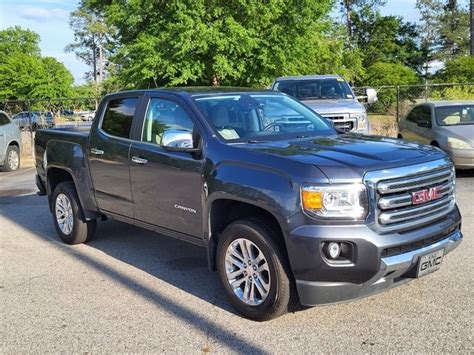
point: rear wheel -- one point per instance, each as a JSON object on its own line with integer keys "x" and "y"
{"x": 12, "y": 159}
{"x": 254, "y": 271}
{"x": 69, "y": 225}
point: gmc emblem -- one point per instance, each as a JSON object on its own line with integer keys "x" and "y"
{"x": 425, "y": 195}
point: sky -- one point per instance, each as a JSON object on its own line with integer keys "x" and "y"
{"x": 49, "y": 18}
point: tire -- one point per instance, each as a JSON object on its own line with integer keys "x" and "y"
{"x": 400, "y": 136}
{"x": 74, "y": 230}
{"x": 280, "y": 284}
{"x": 12, "y": 159}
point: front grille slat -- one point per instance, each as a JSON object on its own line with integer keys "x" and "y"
{"x": 397, "y": 201}
{"x": 414, "y": 182}
{"x": 395, "y": 209}
{"x": 410, "y": 213}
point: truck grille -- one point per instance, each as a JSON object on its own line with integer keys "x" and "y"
{"x": 342, "y": 122}
{"x": 397, "y": 206}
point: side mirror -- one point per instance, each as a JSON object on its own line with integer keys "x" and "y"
{"x": 424, "y": 124}
{"x": 179, "y": 141}
{"x": 371, "y": 95}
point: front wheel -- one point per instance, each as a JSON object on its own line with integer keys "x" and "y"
{"x": 70, "y": 227}
{"x": 254, "y": 271}
{"x": 12, "y": 159}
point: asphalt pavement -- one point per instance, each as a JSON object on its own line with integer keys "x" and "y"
{"x": 131, "y": 290}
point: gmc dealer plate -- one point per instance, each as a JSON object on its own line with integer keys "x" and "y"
{"x": 430, "y": 262}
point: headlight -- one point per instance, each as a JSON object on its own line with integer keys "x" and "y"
{"x": 335, "y": 201}
{"x": 458, "y": 144}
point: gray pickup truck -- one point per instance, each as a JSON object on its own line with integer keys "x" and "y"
{"x": 288, "y": 209}
{"x": 331, "y": 97}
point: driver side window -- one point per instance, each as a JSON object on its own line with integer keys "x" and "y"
{"x": 164, "y": 116}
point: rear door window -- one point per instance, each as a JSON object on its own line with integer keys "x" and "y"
{"x": 118, "y": 116}
{"x": 3, "y": 119}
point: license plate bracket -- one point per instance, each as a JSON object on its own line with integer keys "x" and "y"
{"x": 429, "y": 263}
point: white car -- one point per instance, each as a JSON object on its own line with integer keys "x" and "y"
{"x": 10, "y": 143}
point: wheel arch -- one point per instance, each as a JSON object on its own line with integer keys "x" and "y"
{"x": 224, "y": 211}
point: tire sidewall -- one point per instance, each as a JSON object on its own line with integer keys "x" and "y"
{"x": 6, "y": 163}
{"x": 64, "y": 188}
{"x": 236, "y": 231}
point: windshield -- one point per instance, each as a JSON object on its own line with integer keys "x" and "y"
{"x": 260, "y": 117}
{"x": 315, "y": 89}
{"x": 455, "y": 115}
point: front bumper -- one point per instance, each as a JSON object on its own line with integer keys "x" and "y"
{"x": 462, "y": 158}
{"x": 319, "y": 282}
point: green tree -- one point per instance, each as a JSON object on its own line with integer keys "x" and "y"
{"x": 91, "y": 41}
{"x": 458, "y": 70}
{"x": 19, "y": 40}
{"x": 381, "y": 73}
{"x": 387, "y": 39}
{"x": 24, "y": 74}
{"x": 445, "y": 28}
{"x": 203, "y": 41}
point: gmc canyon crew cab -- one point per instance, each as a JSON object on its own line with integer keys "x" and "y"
{"x": 331, "y": 97}
{"x": 289, "y": 209}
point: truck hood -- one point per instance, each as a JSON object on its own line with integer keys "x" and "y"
{"x": 324, "y": 107}
{"x": 348, "y": 157}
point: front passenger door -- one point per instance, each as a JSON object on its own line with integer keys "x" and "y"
{"x": 167, "y": 186}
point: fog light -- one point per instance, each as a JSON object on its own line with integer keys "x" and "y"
{"x": 334, "y": 250}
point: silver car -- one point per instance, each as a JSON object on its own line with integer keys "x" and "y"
{"x": 331, "y": 97}
{"x": 10, "y": 143}
{"x": 448, "y": 125}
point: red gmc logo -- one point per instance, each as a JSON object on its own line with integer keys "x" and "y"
{"x": 425, "y": 195}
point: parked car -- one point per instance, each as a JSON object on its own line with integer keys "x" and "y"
{"x": 10, "y": 143}
{"x": 87, "y": 116}
{"x": 288, "y": 210}
{"x": 448, "y": 125}
{"x": 34, "y": 119}
{"x": 331, "y": 97}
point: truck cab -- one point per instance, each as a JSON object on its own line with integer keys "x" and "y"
{"x": 331, "y": 97}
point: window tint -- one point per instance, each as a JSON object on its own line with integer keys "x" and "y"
{"x": 413, "y": 116}
{"x": 118, "y": 116}
{"x": 425, "y": 114}
{"x": 3, "y": 119}
{"x": 161, "y": 116}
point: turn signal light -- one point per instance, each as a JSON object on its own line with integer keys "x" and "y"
{"x": 312, "y": 200}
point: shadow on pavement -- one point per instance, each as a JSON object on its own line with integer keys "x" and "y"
{"x": 178, "y": 263}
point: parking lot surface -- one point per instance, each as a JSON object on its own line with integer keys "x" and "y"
{"x": 131, "y": 290}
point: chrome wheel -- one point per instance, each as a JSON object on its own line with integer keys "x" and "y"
{"x": 247, "y": 272}
{"x": 64, "y": 214}
{"x": 13, "y": 159}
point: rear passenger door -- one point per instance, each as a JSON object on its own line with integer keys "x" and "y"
{"x": 109, "y": 147}
{"x": 167, "y": 186}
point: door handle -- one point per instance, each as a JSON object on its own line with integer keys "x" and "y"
{"x": 97, "y": 151}
{"x": 139, "y": 160}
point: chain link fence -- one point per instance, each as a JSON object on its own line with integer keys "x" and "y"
{"x": 395, "y": 101}
{"x": 31, "y": 115}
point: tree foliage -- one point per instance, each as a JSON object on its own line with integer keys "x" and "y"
{"x": 445, "y": 28}
{"x": 91, "y": 41}
{"x": 247, "y": 42}
{"x": 24, "y": 73}
{"x": 458, "y": 70}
